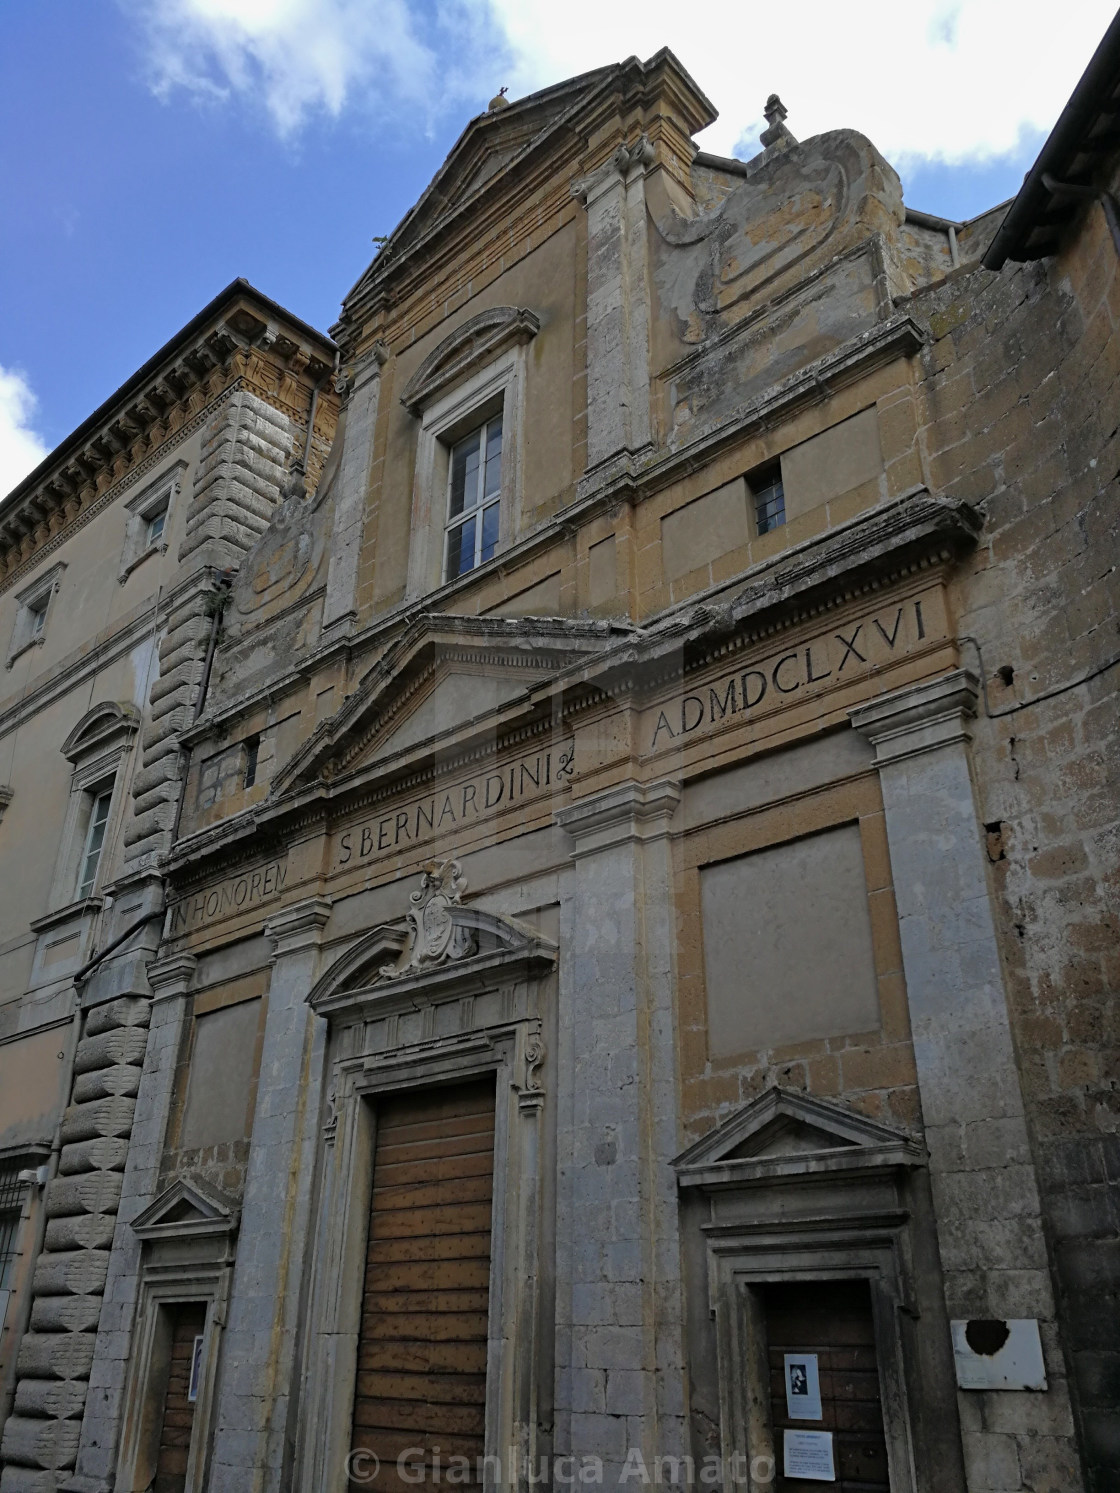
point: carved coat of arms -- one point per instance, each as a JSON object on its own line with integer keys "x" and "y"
{"x": 435, "y": 936}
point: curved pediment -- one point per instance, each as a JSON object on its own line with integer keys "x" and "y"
{"x": 106, "y": 725}
{"x": 437, "y": 944}
{"x": 469, "y": 347}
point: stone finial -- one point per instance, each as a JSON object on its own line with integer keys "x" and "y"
{"x": 776, "y": 132}
{"x": 499, "y": 101}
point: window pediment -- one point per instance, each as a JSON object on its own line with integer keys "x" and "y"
{"x": 467, "y": 349}
{"x": 106, "y": 727}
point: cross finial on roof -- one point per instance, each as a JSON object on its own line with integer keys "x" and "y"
{"x": 499, "y": 101}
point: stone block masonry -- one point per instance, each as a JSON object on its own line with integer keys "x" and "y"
{"x": 40, "y": 1441}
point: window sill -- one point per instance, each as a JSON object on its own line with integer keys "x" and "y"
{"x": 81, "y": 907}
{"x": 126, "y": 570}
{"x": 24, "y": 647}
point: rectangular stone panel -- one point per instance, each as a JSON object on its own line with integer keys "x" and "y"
{"x": 788, "y": 952}
{"x": 221, "y": 1078}
{"x": 701, "y": 531}
{"x": 834, "y": 462}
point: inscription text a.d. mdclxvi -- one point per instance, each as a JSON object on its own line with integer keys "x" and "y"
{"x": 831, "y": 657}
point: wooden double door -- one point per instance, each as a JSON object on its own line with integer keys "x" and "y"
{"x": 421, "y": 1383}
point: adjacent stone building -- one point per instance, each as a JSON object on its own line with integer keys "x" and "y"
{"x": 628, "y": 976}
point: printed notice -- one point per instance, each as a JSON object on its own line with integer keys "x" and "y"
{"x": 803, "y": 1387}
{"x": 808, "y": 1454}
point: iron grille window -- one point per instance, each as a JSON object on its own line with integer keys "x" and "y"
{"x": 11, "y": 1209}
{"x": 474, "y": 499}
{"x": 769, "y": 498}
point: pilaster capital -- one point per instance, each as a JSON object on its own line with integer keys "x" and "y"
{"x": 298, "y": 927}
{"x": 919, "y": 718}
{"x": 631, "y": 811}
{"x": 171, "y": 976}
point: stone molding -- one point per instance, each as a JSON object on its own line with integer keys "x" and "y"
{"x": 298, "y": 927}
{"x": 467, "y": 349}
{"x": 632, "y": 811}
{"x": 920, "y": 718}
{"x": 171, "y": 976}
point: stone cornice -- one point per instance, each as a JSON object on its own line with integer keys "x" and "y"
{"x": 920, "y": 718}
{"x": 877, "y": 549}
{"x": 126, "y": 434}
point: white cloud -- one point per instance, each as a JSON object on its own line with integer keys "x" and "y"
{"x": 949, "y": 80}
{"x": 20, "y": 447}
{"x": 925, "y": 79}
{"x": 296, "y": 57}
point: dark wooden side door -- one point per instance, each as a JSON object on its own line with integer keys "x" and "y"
{"x": 422, "y": 1349}
{"x": 188, "y": 1322}
{"x": 833, "y": 1320}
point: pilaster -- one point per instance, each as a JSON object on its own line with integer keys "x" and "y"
{"x": 357, "y": 424}
{"x": 618, "y": 310}
{"x": 985, "y": 1192}
{"x": 620, "y": 1357}
{"x": 255, "y": 1419}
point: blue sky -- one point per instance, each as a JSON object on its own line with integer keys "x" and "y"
{"x": 159, "y": 148}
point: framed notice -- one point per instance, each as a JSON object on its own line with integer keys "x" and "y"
{"x": 803, "y": 1387}
{"x": 808, "y": 1454}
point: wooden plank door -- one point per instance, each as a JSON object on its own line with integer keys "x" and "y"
{"x": 422, "y": 1347}
{"x": 832, "y": 1319}
{"x": 188, "y": 1322}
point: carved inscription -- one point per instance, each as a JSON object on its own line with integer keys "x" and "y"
{"x": 239, "y": 892}
{"x": 448, "y": 809}
{"x": 834, "y": 657}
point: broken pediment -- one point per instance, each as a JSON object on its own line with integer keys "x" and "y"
{"x": 186, "y": 1210}
{"x": 438, "y": 942}
{"x": 443, "y": 674}
{"x": 785, "y": 1132}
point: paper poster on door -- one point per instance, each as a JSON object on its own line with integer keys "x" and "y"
{"x": 803, "y": 1387}
{"x": 808, "y": 1454}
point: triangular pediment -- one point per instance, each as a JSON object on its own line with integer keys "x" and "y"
{"x": 784, "y": 1131}
{"x": 184, "y": 1210}
{"x": 491, "y": 143}
{"x": 445, "y": 675}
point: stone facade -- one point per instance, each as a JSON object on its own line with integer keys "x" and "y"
{"x": 727, "y": 778}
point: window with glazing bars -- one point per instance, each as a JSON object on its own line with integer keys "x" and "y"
{"x": 11, "y": 1207}
{"x": 768, "y": 496}
{"x": 474, "y": 499}
{"x": 94, "y": 841}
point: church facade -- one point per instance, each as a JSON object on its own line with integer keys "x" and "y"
{"x": 627, "y": 991}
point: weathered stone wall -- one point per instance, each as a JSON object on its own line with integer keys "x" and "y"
{"x": 1023, "y": 404}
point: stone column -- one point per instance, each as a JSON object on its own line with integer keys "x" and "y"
{"x": 620, "y": 1358}
{"x": 170, "y": 981}
{"x": 255, "y": 1415}
{"x": 985, "y": 1193}
{"x": 357, "y": 423}
{"x": 618, "y": 415}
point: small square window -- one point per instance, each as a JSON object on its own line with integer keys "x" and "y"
{"x": 768, "y": 497}
{"x": 37, "y": 619}
{"x": 146, "y": 518}
{"x": 94, "y": 841}
{"x": 474, "y": 498}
